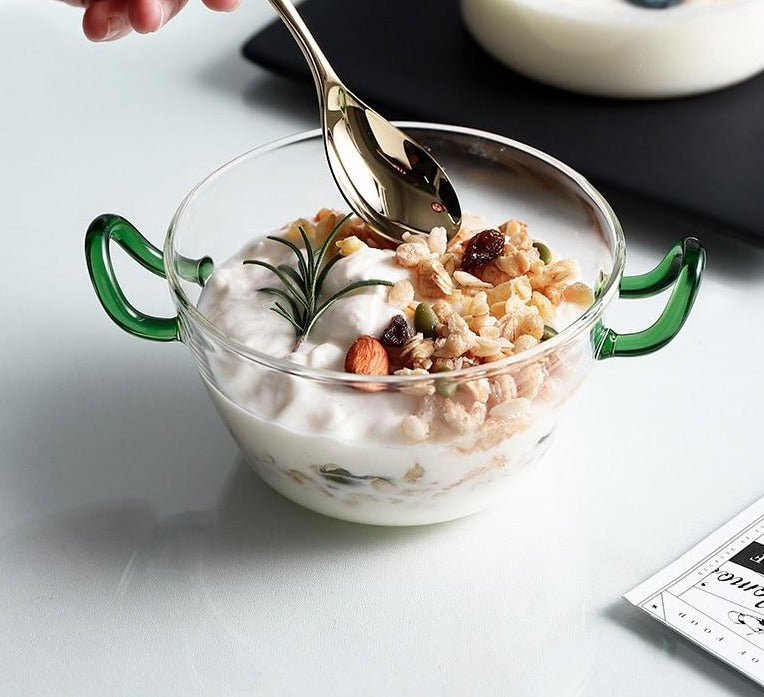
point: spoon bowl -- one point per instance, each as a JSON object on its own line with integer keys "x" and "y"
{"x": 387, "y": 178}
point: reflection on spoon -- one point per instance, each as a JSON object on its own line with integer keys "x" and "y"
{"x": 387, "y": 178}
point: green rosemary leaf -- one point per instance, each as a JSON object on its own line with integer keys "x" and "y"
{"x": 341, "y": 294}
{"x": 310, "y": 279}
{"x": 279, "y": 274}
{"x": 296, "y": 312}
{"x": 302, "y": 265}
{"x": 264, "y": 264}
{"x": 292, "y": 273}
{"x": 321, "y": 254}
{"x": 283, "y": 313}
{"x": 354, "y": 286}
{"x": 302, "y": 286}
{"x": 328, "y": 241}
{"x": 322, "y": 275}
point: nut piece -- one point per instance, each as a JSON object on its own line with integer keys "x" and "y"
{"x": 349, "y": 245}
{"x": 401, "y": 294}
{"x": 469, "y": 281}
{"x": 367, "y": 356}
{"x": 416, "y": 430}
{"x": 579, "y": 293}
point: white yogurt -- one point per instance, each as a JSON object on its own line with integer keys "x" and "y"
{"x": 615, "y": 48}
{"x": 303, "y": 436}
{"x": 233, "y": 302}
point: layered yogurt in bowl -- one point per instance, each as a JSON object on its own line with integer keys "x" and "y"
{"x": 437, "y": 374}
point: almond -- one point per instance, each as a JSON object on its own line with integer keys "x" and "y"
{"x": 367, "y": 356}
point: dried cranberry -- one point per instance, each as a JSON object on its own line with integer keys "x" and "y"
{"x": 397, "y": 332}
{"x": 482, "y": 248}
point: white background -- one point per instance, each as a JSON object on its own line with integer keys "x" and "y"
{"x": 139, "y": 555}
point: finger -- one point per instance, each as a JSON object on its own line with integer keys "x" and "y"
{"x": 145, "y": 15}
{"x": 169, "y": 8}
{"x": 106, "y": 20}
{"x": 222, "y": 5}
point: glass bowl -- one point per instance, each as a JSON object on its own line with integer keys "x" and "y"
{"x": 393, "y": 450}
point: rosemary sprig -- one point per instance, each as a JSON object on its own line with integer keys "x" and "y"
{"x": 299, "y": 295}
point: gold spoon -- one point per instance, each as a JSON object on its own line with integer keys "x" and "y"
{"x": 387, "y": 178}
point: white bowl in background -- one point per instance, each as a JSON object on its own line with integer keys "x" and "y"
{"x": 616, "y": 49}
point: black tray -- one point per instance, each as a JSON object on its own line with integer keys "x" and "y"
{"x": 704, "y": 154}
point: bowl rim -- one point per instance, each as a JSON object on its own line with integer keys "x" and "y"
{"x": 584, "y": 322}
{"x": 644, "y": 17}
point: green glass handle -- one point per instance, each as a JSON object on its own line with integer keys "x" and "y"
{"x": 101, "y": 232}
{"x": 682, "y": 266}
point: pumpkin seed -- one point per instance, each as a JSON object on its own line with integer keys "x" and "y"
{"x": 544, "y": 252}
{"x": 446, "y": 388}
{"x": 549, "y": 332}
{"x": 425, "y": 320}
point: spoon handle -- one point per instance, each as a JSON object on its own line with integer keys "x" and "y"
{"x": 319, "y": 66}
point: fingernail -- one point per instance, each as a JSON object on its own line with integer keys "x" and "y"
{"x": 118, "y": 27}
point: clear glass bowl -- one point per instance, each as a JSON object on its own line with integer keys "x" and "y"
{"x": 486, "y": 423}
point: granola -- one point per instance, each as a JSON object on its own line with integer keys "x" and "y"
{"x": 492, "y": 300}
{"x": 483, "y": 296}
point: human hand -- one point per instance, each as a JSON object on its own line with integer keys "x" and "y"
{"x": 107, "y": 20}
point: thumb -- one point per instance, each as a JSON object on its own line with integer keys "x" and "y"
{"x": 222, "y": 5}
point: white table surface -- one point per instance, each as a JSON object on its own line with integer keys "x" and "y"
{"x": 140, "y": 556}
